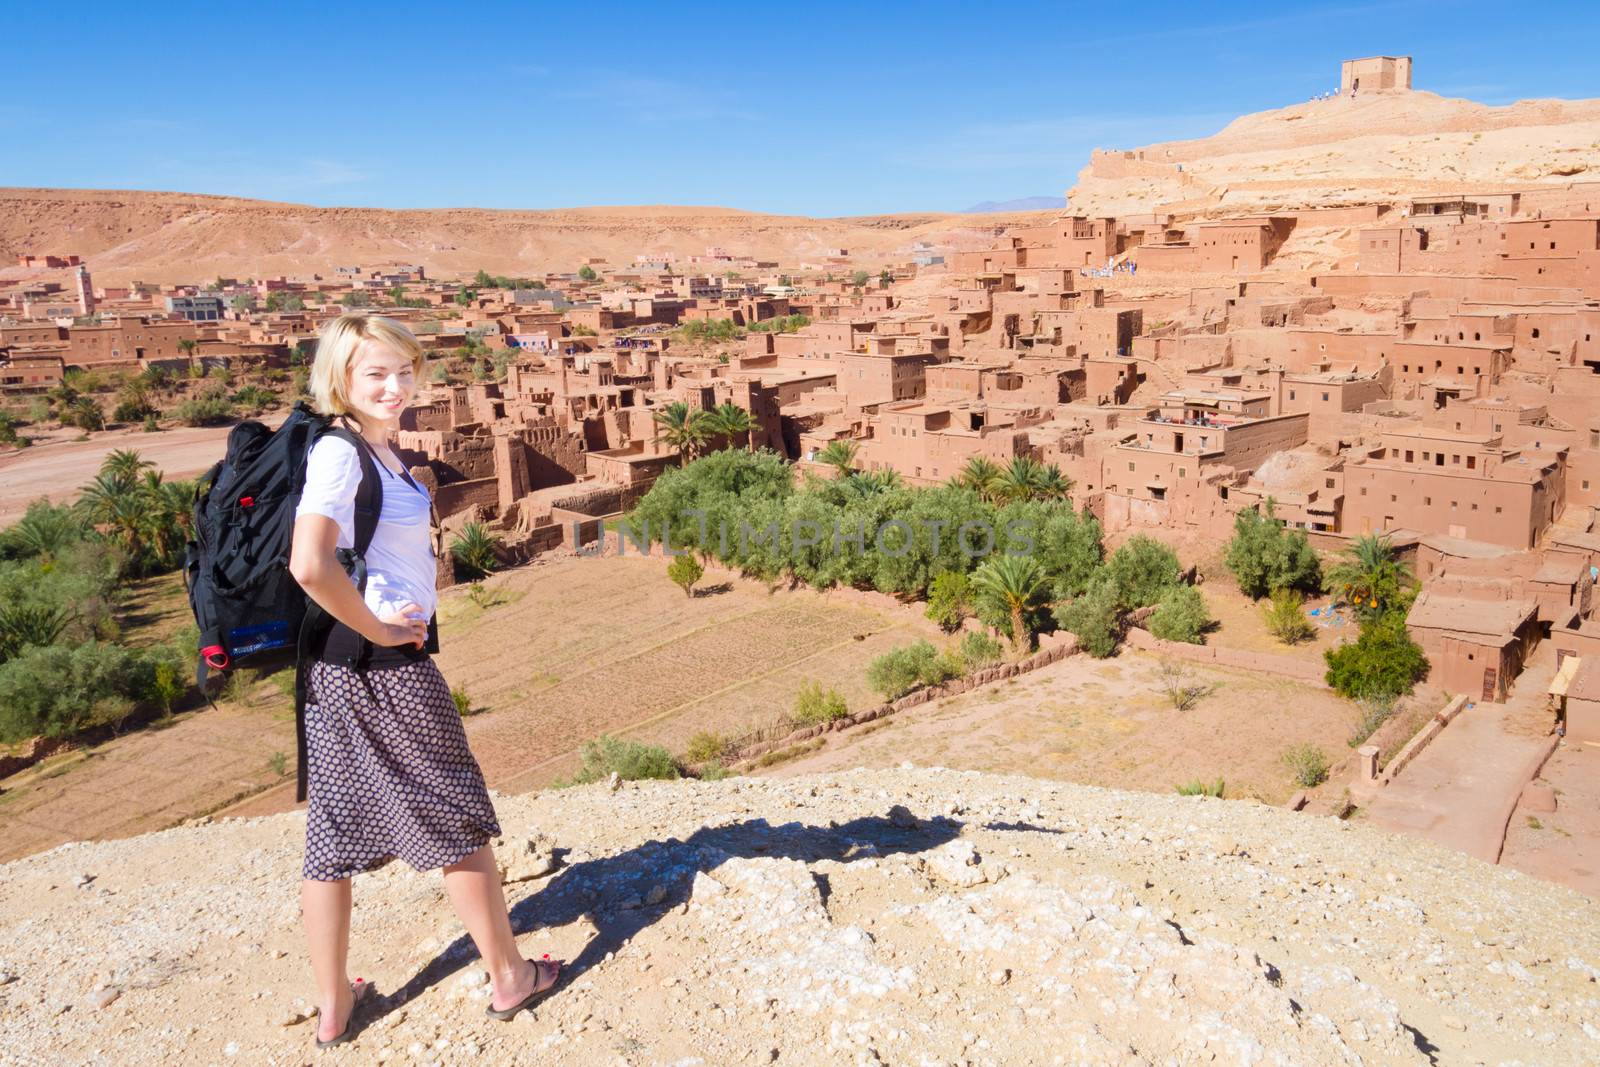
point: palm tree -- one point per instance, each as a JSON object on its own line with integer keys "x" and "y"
{"x": 124, "y": 465}
{"x": 866, "y": 483}
{"x": 1018, "y": 480}
{"x": 1012, "y": 585}
{"x": 978, "y": 475}
{"x": 681, "y": 429}
{"x": 45, "y": 530}
{"x": 731, "y": 420}
{"x": 187, "y": 345}
{"x": 1370, "y": 577}
{"x": 474, "y": 550}
{"x": 841, "y": 455}
{"x": 1053, "y": 485}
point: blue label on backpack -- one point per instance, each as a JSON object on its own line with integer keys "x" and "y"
{"x": 244, "y": 640}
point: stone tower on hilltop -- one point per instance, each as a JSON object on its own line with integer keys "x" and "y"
{"x": 1374, "y": 74}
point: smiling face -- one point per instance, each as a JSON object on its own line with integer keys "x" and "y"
{"x": 381, "y": 384}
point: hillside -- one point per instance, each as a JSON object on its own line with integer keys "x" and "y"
{"x": 1376, "y": 147}
{"x": 811, "y": 920}
{"x": 169, "y": 237}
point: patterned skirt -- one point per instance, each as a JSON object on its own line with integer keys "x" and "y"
{"x": 389, "y": 773}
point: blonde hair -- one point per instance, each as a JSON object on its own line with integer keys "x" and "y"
{"x": 336, "y": 349}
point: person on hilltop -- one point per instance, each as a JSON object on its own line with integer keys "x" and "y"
{"x": 389, "y": 773}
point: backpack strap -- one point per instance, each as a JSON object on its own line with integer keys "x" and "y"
{"x": 368, "y": 509}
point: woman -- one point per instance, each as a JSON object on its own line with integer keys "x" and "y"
{"x": 389, "y": 772}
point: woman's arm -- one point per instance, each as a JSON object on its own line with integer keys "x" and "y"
{"x": 314, "y": 565}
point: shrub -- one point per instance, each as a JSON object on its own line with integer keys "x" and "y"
{"x": 1286, "y": 617}
{"x": 1178, "y": 683}
{"x": 1307, "y": 764}
{"x": 1198, "y": 788}
{"x": 57, "y": 690}
{"x": 207, "y": 410}
{"x": 948, "y": 600}
{"x": 85, "y": 414}
{"x": 705, "y": 747}
{"x": 685, "y": 570}
{"x": 813, "y": 705}
{"x": 897, "y": 672}
{"x": 1095, "y": 618}
{"x": 279, "y": 764}
{"x": 1375, "y": 711}
{"x": 714, "y": 772}
{"x": 1180, "y": 615}
{"x": 474, "y": 551}
{"x": 1143, "y": 569}
{"x": 462, "y": 701}
{"x": 630, "y": 760}
{"x": 1382, "y": 662}
{"x": 1264, "y": 556}
{"x": 151, "y": 425}
{"x": 979, "y": 650}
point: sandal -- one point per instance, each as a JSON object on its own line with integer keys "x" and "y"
{"x": 361, "y": 989}
{"x": 507, "y": 1014}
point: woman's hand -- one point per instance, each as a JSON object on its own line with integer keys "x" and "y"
{"x": 404, "y": 627}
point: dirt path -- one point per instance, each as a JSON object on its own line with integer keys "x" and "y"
{"x": 57, "y": 470}
{"x": 1562, "y": 845}
{"x": 1461, "y": 790}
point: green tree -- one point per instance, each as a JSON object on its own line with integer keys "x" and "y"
{"x": 1095, "y": 618}
{"x": 466, "y": 297}
{"x": 860, "y": 278}
{"x": 1263, "y": 556}
{"x": 1370, "y": 577}
{"x": 1014, "y": 586}
{"x": 681, "y": 429}
{"x": 979, "y": 475}
{"x": 1382, "y": 662}
{"x": 587, "y": 273}
{"x": 685, "y": 571}
{"x": 355, "y": 298}
{"x": 483, "y": 280}
{"x": 840, "y": 454}
{"x": 474, "y": 551}
{"x": 728, "y": 420}
{"x": 1143, "y": 569}
{"x": 949, "y": 600}
{"x": 1180, "y": 615}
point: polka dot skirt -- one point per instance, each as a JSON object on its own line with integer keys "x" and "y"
{"x": 389, "y": 773}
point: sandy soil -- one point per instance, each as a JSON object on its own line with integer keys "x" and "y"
{"x": 1563, "y": 845}
{"x": 166, "y": 237}
{"x": 1108, "y": 722}
{"x": 1376, "y": 146}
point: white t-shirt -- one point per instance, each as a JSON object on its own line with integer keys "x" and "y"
{"x": 400, "y": 560}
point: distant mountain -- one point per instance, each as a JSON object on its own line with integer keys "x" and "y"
{"x": 1026, "y": 203}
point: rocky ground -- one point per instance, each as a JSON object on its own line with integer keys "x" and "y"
{"x": 903, "y": 916}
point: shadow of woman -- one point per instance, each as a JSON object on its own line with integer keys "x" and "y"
{"x": 625, "y": 893}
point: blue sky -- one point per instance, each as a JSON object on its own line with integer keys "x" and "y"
{"x": 789, "y": 108}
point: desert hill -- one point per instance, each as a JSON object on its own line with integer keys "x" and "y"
{"x": 908, "y": 916}
{"x": 1376, "y": 147}
{"x": 169, "y": 237}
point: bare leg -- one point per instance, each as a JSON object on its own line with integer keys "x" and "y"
{"x": 325, "y": 909}
{"x": 480, "y": 903}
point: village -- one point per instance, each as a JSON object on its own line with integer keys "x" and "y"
{"x": 1438, "y": 385}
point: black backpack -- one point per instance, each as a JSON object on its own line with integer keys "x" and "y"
{"x": 250, "y": 610}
